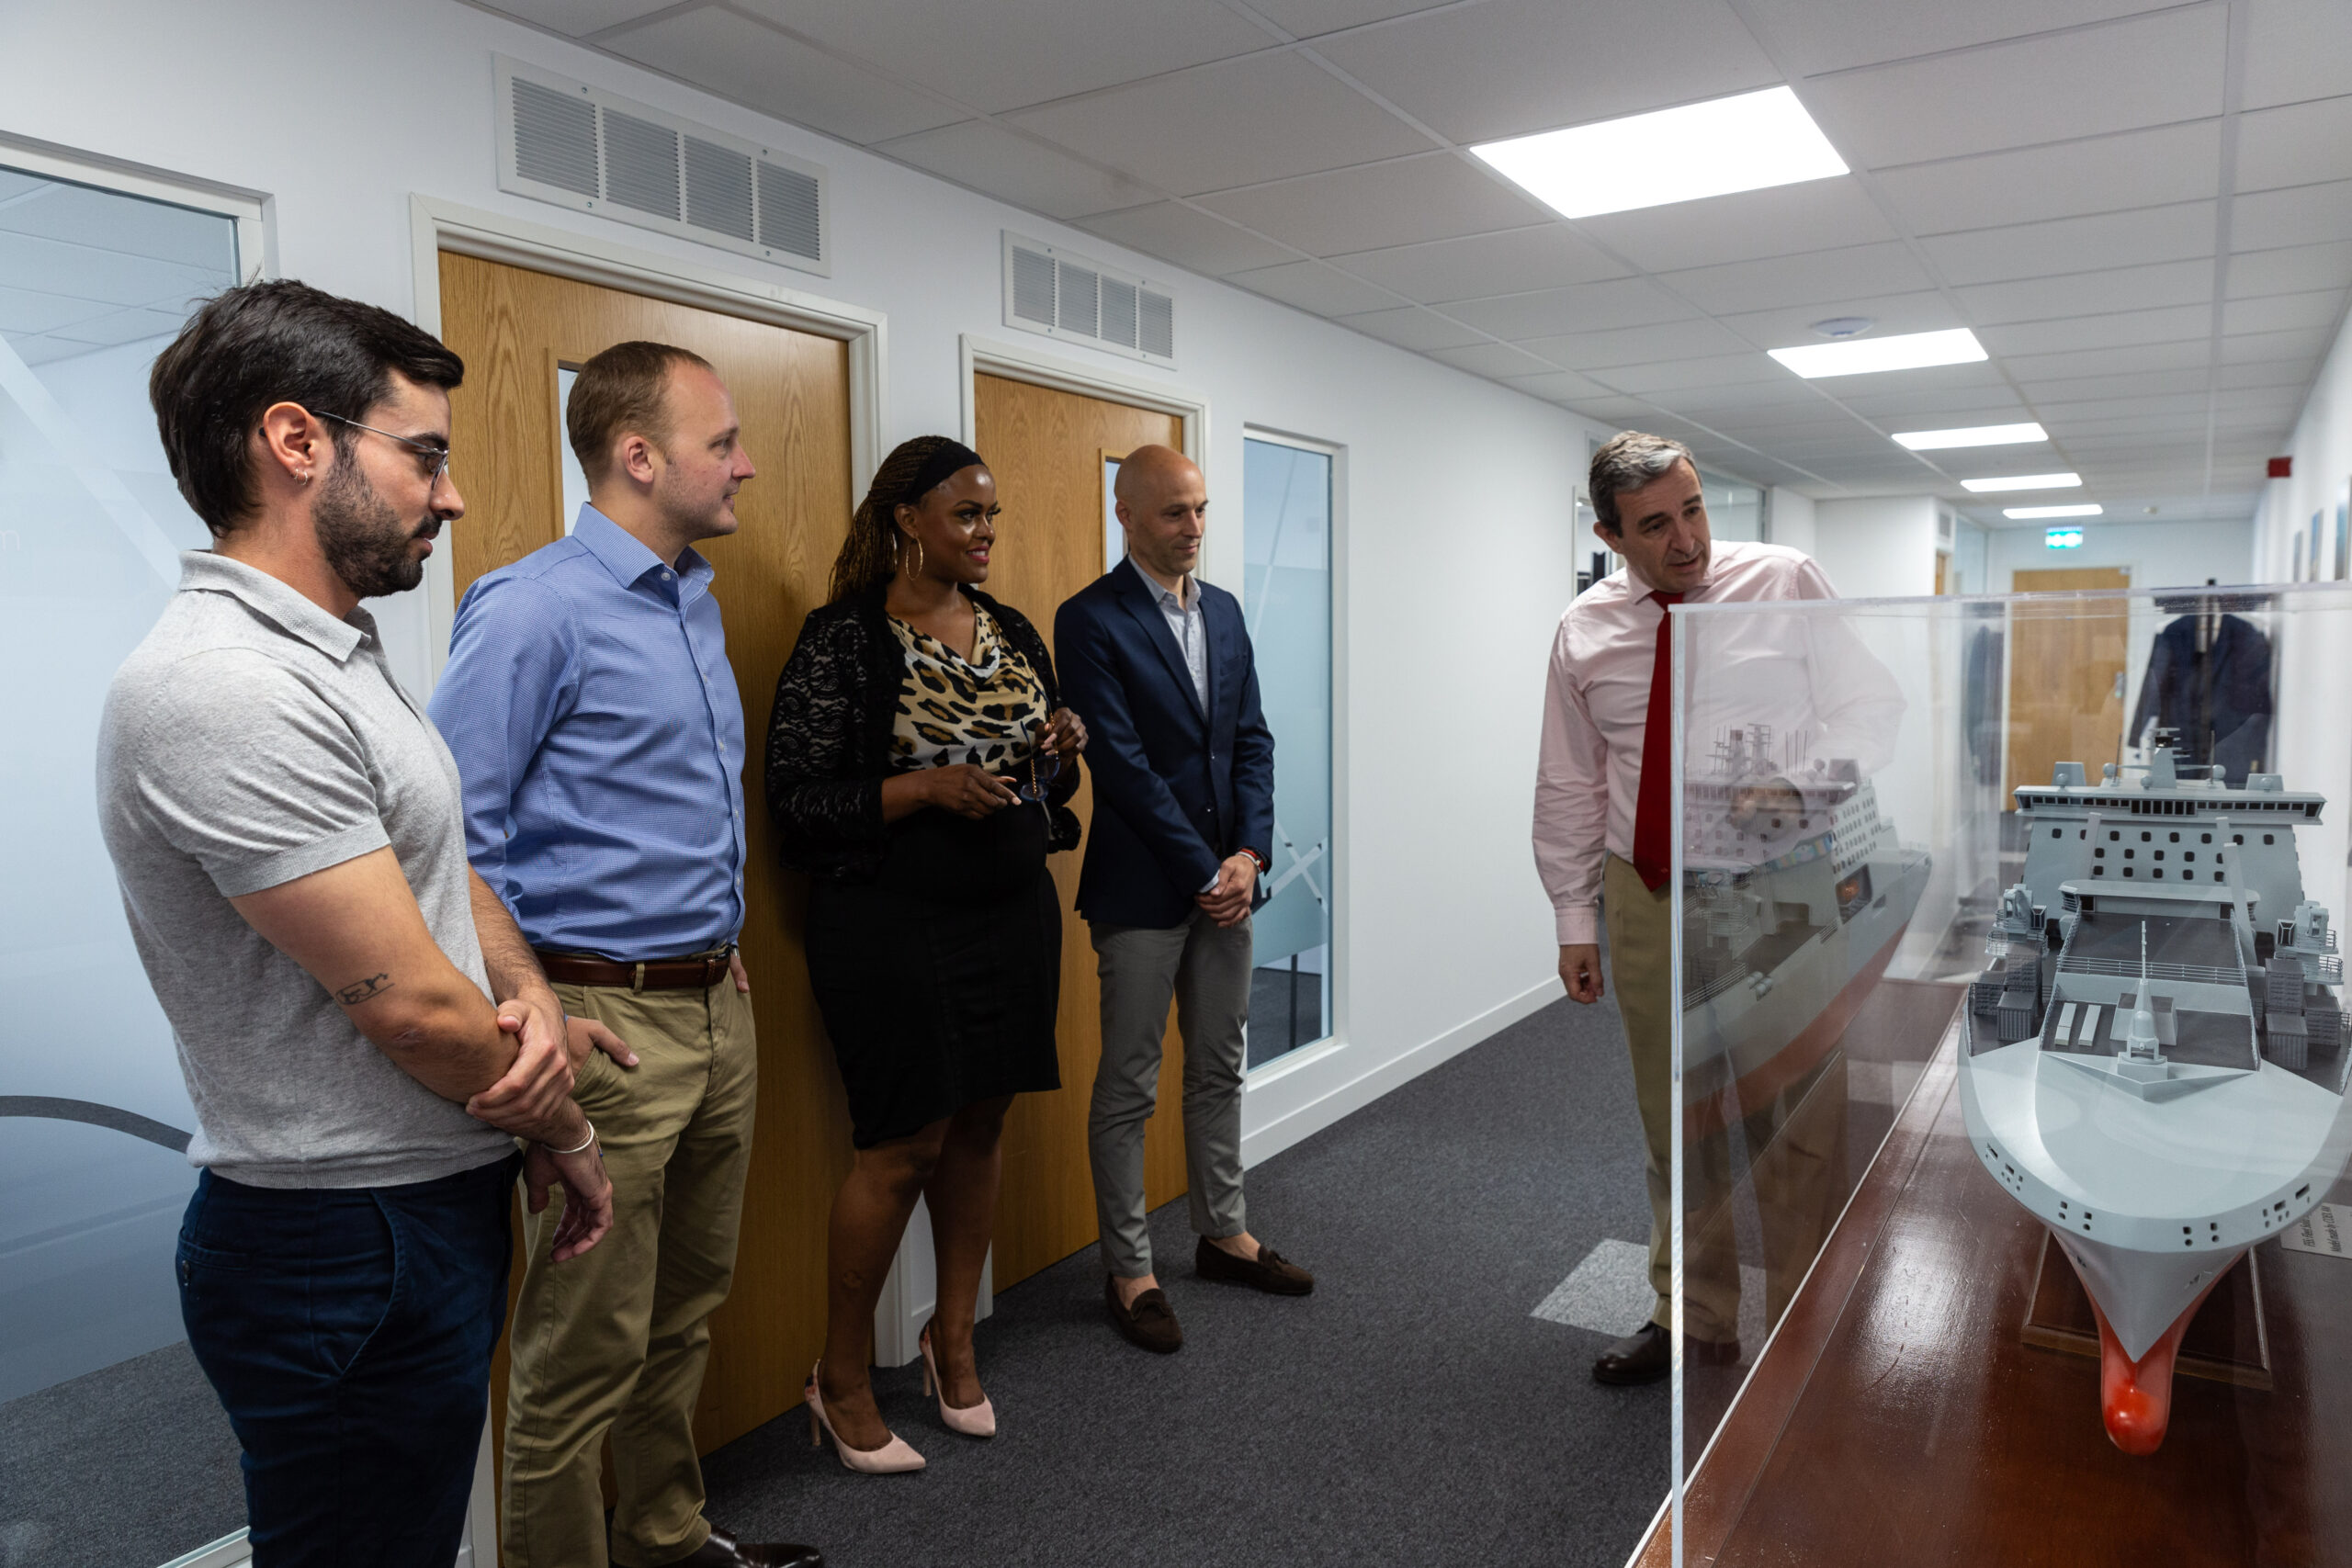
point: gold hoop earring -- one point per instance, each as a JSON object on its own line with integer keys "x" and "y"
{"x": 914, "y": 566}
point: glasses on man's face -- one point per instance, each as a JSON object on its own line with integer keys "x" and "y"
{"x": 432, "y": 457}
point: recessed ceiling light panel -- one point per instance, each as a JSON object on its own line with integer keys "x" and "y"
{"x": 1908, "y": 351}
{"x": 1747, "y": 142}
{"x": 2089, "y": 509}
{"x": 2022, "y": 481}
{"x": 1974, "y": 435}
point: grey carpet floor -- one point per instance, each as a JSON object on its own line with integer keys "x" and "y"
{"x": 1411, "y": 1411}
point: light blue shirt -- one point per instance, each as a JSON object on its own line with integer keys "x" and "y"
{"x": 1186, "y": 623}
{"x": 599, "y": 736}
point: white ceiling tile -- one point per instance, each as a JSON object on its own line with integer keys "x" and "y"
{"x": 1028, "y": 51}
{"x": 2076, "y": 244}
{"x": 1498, "y": 359}
{"x": 1923, "y": 311}
{"x": 1312, "y": 286}
{"x": 1515, "y": 261}
{"x": 1820, "y": 276}
{"x": 2296, "y": 50}
{"x": 1309, "y": 18}
{"x": 1623, "y": 413}
{"x": 1715, "y": 370}
{"x": 2150, "y": 70}
{"x": 1511, "y": 66}
{"x": 2245, "y": 348}
{"x": 1178, "y": 234}
{"x": 1412, "y": 327}
{"x": 578, "y": 18}
{"x": 1558, "y": 386}
{"x": 1377, "y": 206}
{"x": 1760, "y": 428}
{"x": 2138, "y": 168}
{"x": 2094, "y": 388}
{"x": 2293, "y": 269}
{"x": 1264, "y": 116}
{"x": 757, "y": 66}
{"x": 1638, "y": 345}
{"x": 1813, "y": 216}
{"x": 2058, "y": 415}
{"x": 2284, "y": 312}
{"x": 2185, "y": 355}
{"x": 2087, "y": 293}
{"x": 2268, "y": 373}
{"x": 2115, "y": 328}
{"x": 1816, "y": 36}
{"x": 1583, "y": 307}
{"x": 2263, "y": 221}
{"x": 2298, "y": 145}
{"x": 1015, "y": 169}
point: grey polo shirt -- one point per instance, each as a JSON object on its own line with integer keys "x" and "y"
{"x": 249, "y": 740}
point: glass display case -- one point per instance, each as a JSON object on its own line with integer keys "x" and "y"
{"x": 2008, "y": 1213}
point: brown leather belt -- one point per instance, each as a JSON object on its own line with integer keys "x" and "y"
{"x": 700, "y": 972}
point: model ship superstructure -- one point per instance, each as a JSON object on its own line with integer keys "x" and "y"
{"x": 1797, "y": 894}
{"x": 2155, "y": 1059}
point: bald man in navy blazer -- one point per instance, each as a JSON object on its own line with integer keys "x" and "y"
{"x": 1159, "y": 665}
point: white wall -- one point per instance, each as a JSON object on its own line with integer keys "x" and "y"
{"x": 2322, "y": 448}
{"x": 2159, "y": 555}
{"x": 1793, "y": 514}
{"x": 1877, "y": 546}
{"x": 1456, "y": 551}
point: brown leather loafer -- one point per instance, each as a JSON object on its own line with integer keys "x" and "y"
{"x": 1148, "y": 1325}
{"x": 723, "y": 1551}
{"x": 1647, "y": 1355}
{"x": 1270, "y": 1271}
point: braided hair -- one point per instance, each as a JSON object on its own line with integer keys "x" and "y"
{"x": 871, "y": 553}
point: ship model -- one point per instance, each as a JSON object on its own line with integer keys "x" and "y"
{"x": 1796, "y": 894}
{"x": 2155, "y": 1055}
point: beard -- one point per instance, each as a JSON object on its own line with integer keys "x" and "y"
{"x": 362, "y": 537}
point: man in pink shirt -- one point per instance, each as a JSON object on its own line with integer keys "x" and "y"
{"x": 1603, "y": 807}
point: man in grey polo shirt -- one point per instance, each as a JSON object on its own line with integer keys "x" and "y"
{"x": 287, "y": 830}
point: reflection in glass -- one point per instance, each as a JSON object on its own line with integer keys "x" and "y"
{"x": 93, "y": 1110}
{"x": 1286, "y": 557}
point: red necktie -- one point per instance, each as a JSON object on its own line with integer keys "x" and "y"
{"x": 1653, "y": 845}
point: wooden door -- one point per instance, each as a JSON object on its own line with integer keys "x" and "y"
{"x": 1046, "y": 449}
{"x": 2066, "y": 664}
{"x": 514, "y": 329}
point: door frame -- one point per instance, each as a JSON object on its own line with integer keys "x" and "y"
{"x": 438, "y": 226}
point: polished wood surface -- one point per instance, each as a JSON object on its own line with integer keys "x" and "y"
{"x": 791, "y": 391}
{"x": 2226, "y": 1341}
{"x": 1900, "y": 1416}
{"x": 1046, "y": 448}
{"x": 2066, "y": 662}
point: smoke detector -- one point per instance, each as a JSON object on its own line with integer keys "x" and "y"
{"x": 1843, "y": 326}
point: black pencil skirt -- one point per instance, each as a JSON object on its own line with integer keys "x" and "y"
{"x": 940, "y": 980}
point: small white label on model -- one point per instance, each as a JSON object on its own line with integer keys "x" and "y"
{"x": 2326, "y": 1230}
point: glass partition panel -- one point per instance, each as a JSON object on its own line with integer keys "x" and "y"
{"x": 108, "y": 1434}
{"x": 2010, "y": 1065}
{"x": 1286, "y": 564}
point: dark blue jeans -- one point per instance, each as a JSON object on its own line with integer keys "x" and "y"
{"x": 348, "y": 1333}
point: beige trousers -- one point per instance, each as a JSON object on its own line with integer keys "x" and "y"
{"x": 614, "y": 1341}
{"x": 1795, "y": 1145}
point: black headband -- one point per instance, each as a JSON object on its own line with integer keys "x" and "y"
{"x": 951, "y": 458}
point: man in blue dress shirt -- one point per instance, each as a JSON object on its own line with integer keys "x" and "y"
{"x": 600, "y": 738}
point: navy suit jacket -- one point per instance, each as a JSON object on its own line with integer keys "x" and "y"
{"x": 1176, "y": 790}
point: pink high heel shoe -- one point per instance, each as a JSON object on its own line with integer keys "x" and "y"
{"x": 893, "y": 1458}
{"x": 975, "y": 1421}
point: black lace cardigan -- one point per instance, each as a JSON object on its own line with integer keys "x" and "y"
{"x": 829, "y": 737}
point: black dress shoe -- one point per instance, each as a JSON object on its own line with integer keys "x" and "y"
{"x": 1270, "y": 1271}
{"x": 723, "y": 1551}
{"x": 1148, "y": 1324}
{"x": 1647, "y": 1355}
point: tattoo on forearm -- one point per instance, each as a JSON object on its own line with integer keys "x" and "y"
{"x": 359, "y": 992}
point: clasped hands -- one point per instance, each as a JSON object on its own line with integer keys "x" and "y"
{"x": 532, "y": 1101}
{"x": 1228, "y": 900}
{"x": 969, "y": 790}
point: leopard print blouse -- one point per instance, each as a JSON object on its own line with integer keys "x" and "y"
{"x": 951, "y": 710}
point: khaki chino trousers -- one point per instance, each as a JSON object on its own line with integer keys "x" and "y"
{"x": 1794, "y": 1144}
{"x": 615, "y": 1341}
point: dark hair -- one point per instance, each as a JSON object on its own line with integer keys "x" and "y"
{"x": 870, "y": 554}
{"x": 1628, "y": 460}
{"x": 280, "y": 341}
{"x": 624, "y": 389}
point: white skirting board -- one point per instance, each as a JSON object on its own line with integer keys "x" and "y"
{"x": 1282, "y": 1103}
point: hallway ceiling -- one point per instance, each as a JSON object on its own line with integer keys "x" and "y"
{"x": 2145, "y": 210}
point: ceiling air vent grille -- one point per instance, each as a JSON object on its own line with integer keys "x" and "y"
{"x": 1050, "y": 290}
{"x": 563, "y": 142}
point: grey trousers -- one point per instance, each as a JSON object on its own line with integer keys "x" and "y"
{"x": 1208, "y": 971}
